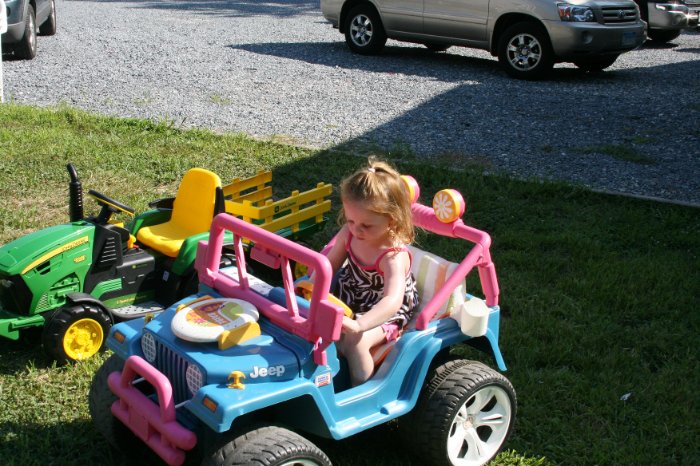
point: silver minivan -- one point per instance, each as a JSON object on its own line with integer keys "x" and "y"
{"x": 527, "y": 36}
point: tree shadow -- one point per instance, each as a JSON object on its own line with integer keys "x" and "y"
{"x": 403, "y": 59}
{"x": 58, "y": 443}
{"x": 574, "y": 119}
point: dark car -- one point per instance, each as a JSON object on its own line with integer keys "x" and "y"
{"x": 26, "y": 19}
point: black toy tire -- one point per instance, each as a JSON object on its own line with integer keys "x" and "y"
{"x": 597, "y": 64}
{"x": 364, "y": 32}
{"x": 100, "y": 400}
{"x": 81, "y": 327}
{"x": 534, "y": 41}
{"x": 663, "y": 35}
{"x": 26, "y": 48}
{"x": 267, "y": 446}
{"x": 119, "y": 437}
{"x": 49, "y": 26}
{"x": 446, "y": 408}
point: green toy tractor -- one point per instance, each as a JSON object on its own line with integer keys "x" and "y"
{"x": 79, "y": 278}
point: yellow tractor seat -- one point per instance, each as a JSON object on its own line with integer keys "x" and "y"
{"x": 199, "y": 198}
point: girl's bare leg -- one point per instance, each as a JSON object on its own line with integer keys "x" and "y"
{"x": 356, "y": 348}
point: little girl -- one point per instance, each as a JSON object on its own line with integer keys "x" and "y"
{"x": 376, "y": 281}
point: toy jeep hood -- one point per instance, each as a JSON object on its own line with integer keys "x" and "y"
{"x": 257, "y": 360}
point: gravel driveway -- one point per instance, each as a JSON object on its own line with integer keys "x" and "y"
{"x": 278, "y": 69}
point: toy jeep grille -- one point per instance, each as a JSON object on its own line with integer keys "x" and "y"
{"x": 617, "y": 14}
{"x": 173, "y": 366}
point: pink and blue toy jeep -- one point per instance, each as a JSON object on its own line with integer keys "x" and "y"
{"x": 239, "y": 372}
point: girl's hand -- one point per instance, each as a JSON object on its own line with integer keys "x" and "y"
{"x": 351, "y": 326}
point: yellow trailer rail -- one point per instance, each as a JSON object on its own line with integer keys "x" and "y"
{"x": 251, "y": 200}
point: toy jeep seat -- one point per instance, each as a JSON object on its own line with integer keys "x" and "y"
{"x": 430, "y": 272}
{"x": 194, "y": 207}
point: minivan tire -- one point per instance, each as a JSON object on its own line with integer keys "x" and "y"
{"x": 525, "y": 52}
{"x": 26, "y": 48}
{"x": 49, "y": 26}
{"x": 364, "y": 32}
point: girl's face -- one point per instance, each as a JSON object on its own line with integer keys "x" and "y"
{"x": 366, "y": 225}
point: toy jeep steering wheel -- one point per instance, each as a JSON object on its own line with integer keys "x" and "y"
{"x": 305, "y": 287}
{"x": 109, "y": 206}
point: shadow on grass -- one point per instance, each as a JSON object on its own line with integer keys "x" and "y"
{"x": 56, "y": 443}
{"x": 16, "y": 355}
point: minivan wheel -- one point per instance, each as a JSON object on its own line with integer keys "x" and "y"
{"x": 595, "y": 64}
{"x": 26, "y": 48}
{"x": 525, "y": 52}
{"x": 364, "y": 32}
{"x": 49, "y": 26}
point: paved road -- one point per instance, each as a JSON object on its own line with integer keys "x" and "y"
{"x": 277, "y": 69}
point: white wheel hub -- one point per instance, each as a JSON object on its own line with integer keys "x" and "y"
{"x": 479, "y": 427}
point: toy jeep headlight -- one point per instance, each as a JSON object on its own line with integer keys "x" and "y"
{"x": 575, "y": 13}
{"x": 148, "y": 346}
{"x": 194, "y": 378}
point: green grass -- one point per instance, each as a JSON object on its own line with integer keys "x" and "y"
{"x": 599, "y": 293}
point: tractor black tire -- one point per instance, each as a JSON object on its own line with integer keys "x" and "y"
{"x": 267, "y": 446}
{"x": 75, "y": 333}
{"x": 447, "y": 425}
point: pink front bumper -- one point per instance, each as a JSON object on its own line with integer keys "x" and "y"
{"x": 155, "y": 425}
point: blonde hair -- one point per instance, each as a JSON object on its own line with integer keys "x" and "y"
{"x": 381, "y": 190}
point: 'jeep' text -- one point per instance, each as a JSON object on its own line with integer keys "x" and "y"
{"x": 267, "y": 371}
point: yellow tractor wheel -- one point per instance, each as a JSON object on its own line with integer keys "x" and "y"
{"x": 75, "y": 333}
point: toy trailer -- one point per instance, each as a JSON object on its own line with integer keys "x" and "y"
{"x": 238, "y": 372}
{"x": 294, "y": 217}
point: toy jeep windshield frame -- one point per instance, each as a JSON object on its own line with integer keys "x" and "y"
{"x": 322, "y": 324}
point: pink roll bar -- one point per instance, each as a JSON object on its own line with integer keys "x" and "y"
{"x": 480, "y": 256}
{"x": 323, "y": 324}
